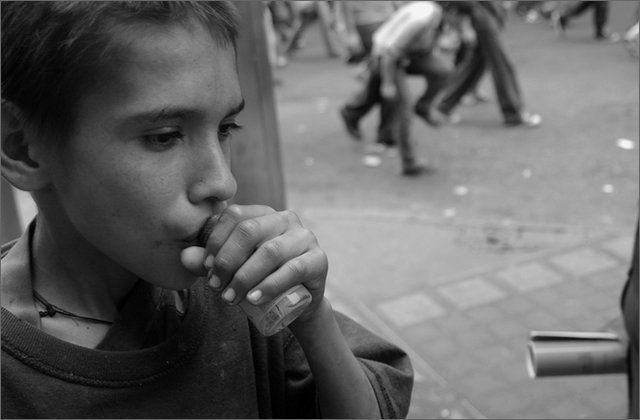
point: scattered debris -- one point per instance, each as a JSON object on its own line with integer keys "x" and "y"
{"x": 450, "y": 212}
{"x": 322, "y": 104}
{"x": 371, "y": 161}
{"x": 608, "y": 188}
{"x": 625, "y": 144}
{"x": 461, "y": 190}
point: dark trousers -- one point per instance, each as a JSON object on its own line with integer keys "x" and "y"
{"x": 488, "y": 53}
{"x": 433, "y": 68}
{"x": 600, "y": 14}
{"x": 369, "y": 96}
{"x": 395, "y": 119}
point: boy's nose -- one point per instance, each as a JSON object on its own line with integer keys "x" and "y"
{"x": 213, "y": 179}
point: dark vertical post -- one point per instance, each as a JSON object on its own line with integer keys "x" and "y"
{"x": 255, "y": 157}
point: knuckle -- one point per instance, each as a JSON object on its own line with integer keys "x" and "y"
{"x": 290, "y": 216}
{"x": 240, "y": 280}
{"x": 248, "y": 228}
{"x": 308, "y": 235}
{"x": 222, "y": 264}
{"x": 297, "y": 267}
{"x": 234, "y": 211}
{"x": 273, "y": 249}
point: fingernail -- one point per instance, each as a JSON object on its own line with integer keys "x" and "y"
{"x": 254, "y": 296}
{"x": 229, "y": 295}
{"x": 214, "y": 281}
{"x": 208, "y": 262}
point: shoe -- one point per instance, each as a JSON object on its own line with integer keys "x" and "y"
{"x": 351, "y": 125}
{"x": 387, "y": 142}
{"x": 426, "y": 114}
{"x": 612, "y": 38}
{"x": 532, "y": 16}
{"x": 446, "y": 118}
{"x": 436, "y": 118}
{"x": 473, "y": 98}
{"x": 417, "y": 169}
{"x": 526, "y": 120}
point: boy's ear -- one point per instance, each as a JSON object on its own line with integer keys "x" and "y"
{"x": 19, "y": 166}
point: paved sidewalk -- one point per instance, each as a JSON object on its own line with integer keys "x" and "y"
{"x": 461, "y": 299}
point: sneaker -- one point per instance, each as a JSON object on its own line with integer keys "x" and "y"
{"x": 447, "y": 118}
{"x": 387, "y": 142}
{"x": 351, "y": 125}
{"x": 417, "y": 169}
{"x": 473, "y": 98}
{"x": 371, "y": 161}
{"x": 608, "y": 37}
{"x": 526, "y": 119}
{"x": 427, "y": 115}
{"x": 436, "y": 118}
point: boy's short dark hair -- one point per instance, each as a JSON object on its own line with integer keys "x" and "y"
{"x": 53, "y": 52}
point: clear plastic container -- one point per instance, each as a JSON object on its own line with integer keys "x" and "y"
{"x": 273, "y": 316}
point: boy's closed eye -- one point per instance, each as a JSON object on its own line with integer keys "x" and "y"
{"x": 163, "y": 140}
{"x": 227, "y": 129}
{"x": 170, "y": 136}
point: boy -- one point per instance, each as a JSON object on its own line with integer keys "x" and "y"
{"x": 117, "y": 117}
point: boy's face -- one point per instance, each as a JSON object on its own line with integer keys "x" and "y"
{"x": 148, "y": 159}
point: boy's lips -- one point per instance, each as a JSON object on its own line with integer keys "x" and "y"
{"x": 200, "y": 237}
{"x": 207, "y": 228}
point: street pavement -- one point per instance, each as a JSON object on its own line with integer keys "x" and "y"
{"x": 517, "y": 230}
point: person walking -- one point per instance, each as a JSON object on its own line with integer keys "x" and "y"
{"x": 560, "y": 20}
{"x": 487, "y": 19}
{"x": 362, "y": 19}
{"x": 402, "y": 45}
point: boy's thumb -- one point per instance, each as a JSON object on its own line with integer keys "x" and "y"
{"x": 193, "y": 260}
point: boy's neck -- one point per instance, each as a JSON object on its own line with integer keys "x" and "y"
{"x": 74, "y": 275}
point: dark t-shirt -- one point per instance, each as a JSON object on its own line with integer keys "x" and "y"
{"x": 157, "y": 362}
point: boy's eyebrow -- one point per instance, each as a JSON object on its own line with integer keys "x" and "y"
{"x": 168, "y": 113}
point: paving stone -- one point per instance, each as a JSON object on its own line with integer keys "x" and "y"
{"x": 584, "y": 262}
{"x": 461, "y": 365}
{"x": 440, "y": 348}
{"x": 541, "y": 319}
{"x": 486, "y": 314}
{"x": 479, "y": 384}
{"x": 411, "y": 309}
{"x": 506, "y": 404}
{"x": 528, "y": 277}
{"x": 474, "y": 338}
{"x": 472, "y": 292}
{"x": 516, "y": 305}
{"x": 456, "y": 322}
{"x": 546, "y": 297}
{"x": 508, "y": 328}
